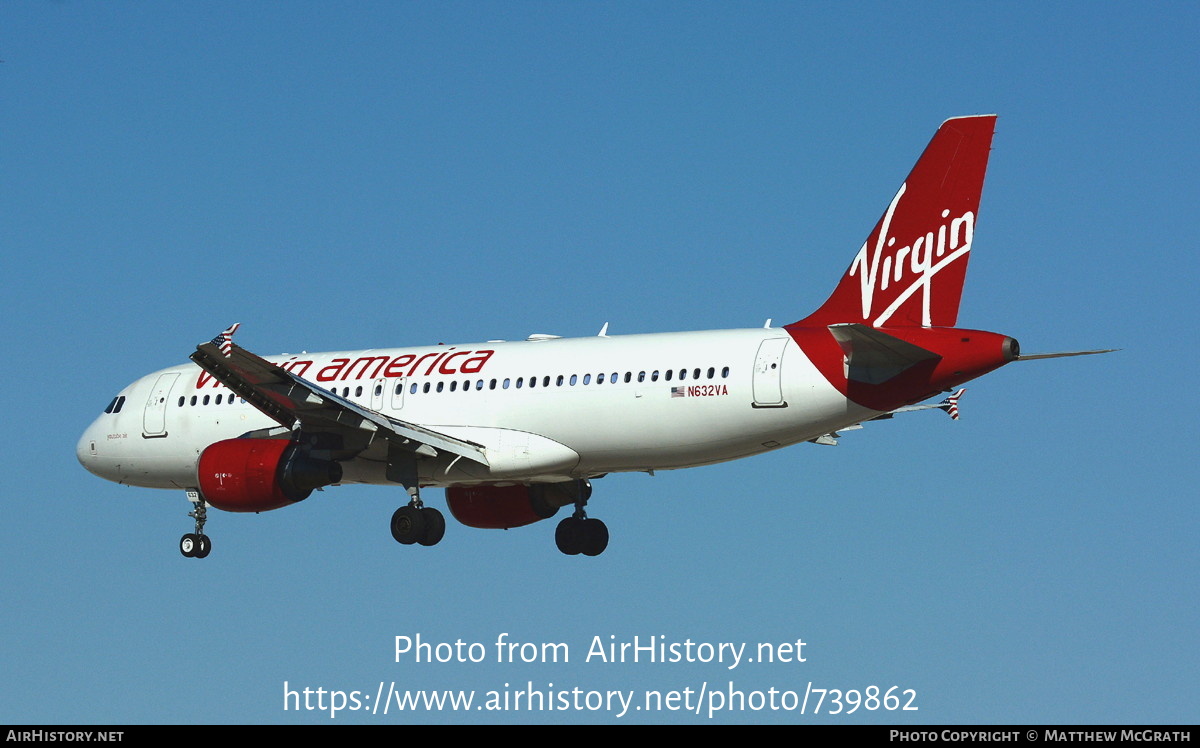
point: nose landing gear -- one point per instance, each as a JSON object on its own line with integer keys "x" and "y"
{"x": 196, "y": 544}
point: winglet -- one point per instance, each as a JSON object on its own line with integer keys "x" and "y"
{"x": 950, "y": 404}
{"x": 224, "y": 341}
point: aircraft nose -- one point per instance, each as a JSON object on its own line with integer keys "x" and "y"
{"x": 86, "y": 449}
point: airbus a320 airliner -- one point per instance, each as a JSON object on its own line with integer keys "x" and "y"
{"x": 514, "y": 431}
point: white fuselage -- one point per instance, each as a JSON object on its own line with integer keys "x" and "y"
{"x": 545, "y": 410}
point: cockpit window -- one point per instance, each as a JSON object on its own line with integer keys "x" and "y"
{"x": 116, "y": 404}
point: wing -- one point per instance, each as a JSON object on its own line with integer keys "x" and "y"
{"x": 298, "y": 404}
{"x": 950, "y": 405}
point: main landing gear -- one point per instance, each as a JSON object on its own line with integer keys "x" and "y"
{"x": 579, "y": 533}
{"x": 575, "y": 535}
{"x": 196, "y": 544}
{"x": 417, "y": 523}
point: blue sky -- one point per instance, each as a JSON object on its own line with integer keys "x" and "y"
{"x": 387, "y": 174}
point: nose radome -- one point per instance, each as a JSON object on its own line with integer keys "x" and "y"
{"x": 85, "y": 449}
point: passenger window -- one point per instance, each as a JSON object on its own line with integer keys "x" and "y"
{"x": 206, "y": 399}
{"x": 725, "y": 373}
{"x": 558, "y": 382}
{"x": 711, "y": 372}
{"x": 654, "y": 376}
{"x": 574, "y": 379}
{"x": 479, "y": 385}
{"x": 440, "y": 386}
{"x": 193, "y": 399}
{"x": 587, "y": 378}
{"x": 505, "y": 383}
{"x": 641, "y": 376}
{"x": 546, "y": 381}
{"x": 628, "y": 376}
{"x": 492, "y": 384}
{"x": 695, "y": 373}
{"x": 181, "y": 401}
{"x": 682, "y": 374}
{"x": 520, "y": 381}
{"x": 599, "y": 379}
{"x": 218, "y": 399}
{"x": 667, "y": 374}
{"x": 454, "y": 386}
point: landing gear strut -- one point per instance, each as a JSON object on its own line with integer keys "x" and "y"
{"x": 579, "y": 533}
{"x": 415, "y": 523}
{"x": 196, "y": 544}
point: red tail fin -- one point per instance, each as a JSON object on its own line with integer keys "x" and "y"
{"x": 910, "y": 270}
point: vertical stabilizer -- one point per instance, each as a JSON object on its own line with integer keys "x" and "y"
{"x": 910, "y": 270}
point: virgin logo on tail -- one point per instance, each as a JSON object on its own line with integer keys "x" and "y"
{"x": 923, "y": 258}
{"x": 926, "y": 231}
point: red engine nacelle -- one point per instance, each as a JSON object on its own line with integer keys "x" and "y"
{"x": 502, "y": 507}
{"x": 255, "y": 475}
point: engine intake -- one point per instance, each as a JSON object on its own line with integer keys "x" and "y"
{"x": 257, "y": 475}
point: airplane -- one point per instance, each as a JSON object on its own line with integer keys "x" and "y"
{"x": 515, "y": 431}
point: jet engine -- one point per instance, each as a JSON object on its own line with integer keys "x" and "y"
{"x": 502, "y": 507}
{"x": 255, "y": 475}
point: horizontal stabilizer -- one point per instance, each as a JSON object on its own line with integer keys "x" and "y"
{"x": 1031, "y": 356}
{"x": 872, "y": 356}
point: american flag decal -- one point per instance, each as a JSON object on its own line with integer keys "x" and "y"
{"x": 224, "y": 341}
{"x": 677, "y": 392}
{"x": 950, "y": 404}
